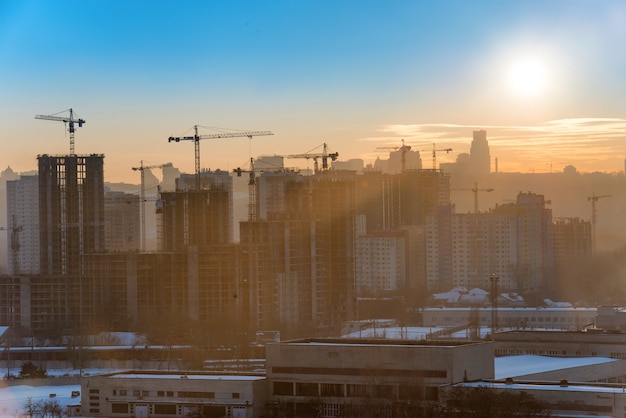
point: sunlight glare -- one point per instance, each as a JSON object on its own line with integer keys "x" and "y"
{"x": 527, "y": 78}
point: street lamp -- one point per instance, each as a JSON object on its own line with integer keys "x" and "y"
{"x": 494, "y": 304}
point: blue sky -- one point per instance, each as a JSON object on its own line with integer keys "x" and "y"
{"x": 354, "y": 74}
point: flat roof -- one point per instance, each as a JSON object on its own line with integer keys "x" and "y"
{"x": 190, "y": 376}
{"x": 543, "y": 386}
{"x": 377, "y": 342}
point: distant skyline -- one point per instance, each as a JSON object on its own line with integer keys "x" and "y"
{"x": 544, "y": 79}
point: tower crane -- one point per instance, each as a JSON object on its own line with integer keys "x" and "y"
{"x": 435, "y": 150}
{"x": 196, "y": 139}
{"x": 593, "y": 199}
{"x": 252, "y": 209}
{"x": 324, "y": 155}
{"x": 475, "y": 190}
{"x": 403, "y": 150}
{"x": 142, "y": 197}
{"x": 70, "y": 121}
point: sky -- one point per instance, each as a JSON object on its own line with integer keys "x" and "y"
{"x": 545, "y": 79}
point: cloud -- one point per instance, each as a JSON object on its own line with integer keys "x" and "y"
{"x": 590, "y": 144}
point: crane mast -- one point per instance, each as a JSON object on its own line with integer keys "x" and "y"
{"x": 252, "y": 198}
{"x": 142, "y": 197}
{"x": 435, "y": 151}
{"x": 197, "y": 137}
{"x": 593, "y": 199}
{"x": 70, "y": 121}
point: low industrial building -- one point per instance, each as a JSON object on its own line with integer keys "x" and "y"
{"x": 590, "y": 343}
{"x": 560, "y": 398}
{"x": 363, "y": 378}
{"x": 569, "y": 319}
{"x": 161, "y": 394}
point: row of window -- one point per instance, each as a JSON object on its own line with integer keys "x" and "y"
{"x": 169, "y": 393}
{"x": 404, "y": 392}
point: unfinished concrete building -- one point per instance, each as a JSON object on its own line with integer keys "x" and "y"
{"x": 71, "y": 211}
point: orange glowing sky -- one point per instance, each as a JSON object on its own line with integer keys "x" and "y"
{"x": 544, "y": 79}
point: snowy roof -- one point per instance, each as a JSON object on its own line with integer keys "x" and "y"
{"x": 511, "y": 366}
{"x": 552, "y": 304}
{"x": 543, "y": 386}
{"x": 512, "y": 297}
{"x": 450, "y": 297}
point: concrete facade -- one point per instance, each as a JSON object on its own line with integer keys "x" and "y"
{"x": 161, "y": 394}
{"x": 365, "y": 377}
{"x": 23, "y": 225}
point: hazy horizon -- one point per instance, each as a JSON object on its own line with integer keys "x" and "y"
{"x": 544, "y": 80}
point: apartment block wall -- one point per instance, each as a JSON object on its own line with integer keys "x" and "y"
{"x": 23, "y": 225}
{"x": 122, "y": 227}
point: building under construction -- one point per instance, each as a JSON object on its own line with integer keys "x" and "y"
{"x": 71, "y": 211}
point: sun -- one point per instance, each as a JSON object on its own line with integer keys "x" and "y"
{"x": 527, "y": 77}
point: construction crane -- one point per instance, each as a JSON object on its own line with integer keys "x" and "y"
{"x": 593, "y": 199}
{"x": 252, "y": 200}
{"x": 196, "y": 139}
{"x": 15, "y": 244}
{"x": 324, "y": 155}
{"x": 142, "y": 197}
{"x": 70, "y": 121}
{"x": 435, "y": 150}
{"x": 475, "y": 190}
{"x": 403, "y": 150}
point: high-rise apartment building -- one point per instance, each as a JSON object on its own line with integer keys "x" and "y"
{"x": 512, "y": 241}
{"x": 71, "y": 211}
{"x": 122, "y": 227}
{"x": 539, "y": 248}
{"x": 23, "y": 225}
{"x": 382, "y": 263}
{"x": 480, "y": 159}
{"x": 190, "y": 218}
{"x": 572, "y": 242}
{"x": 311, "y": 249}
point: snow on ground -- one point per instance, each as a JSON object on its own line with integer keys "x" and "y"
{"x": 13, "y": 398}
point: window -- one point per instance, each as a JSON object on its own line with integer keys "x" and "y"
{"x": 332, "y": 389}
{"x": 306, "y": 389}
{"x": 357, "y": 390}
{"x": 235, "y": 395}
{"x": 382, "y": 391}
{"x": 160, "y": 393}
{"x": 119, "y": 408}
{"x": 283, "y": 388}
{"x": 192, "y": 394}
{"x": 410, "y": 392}
{"x": 122, "y": 392}
{"x": 165, "y": 409}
